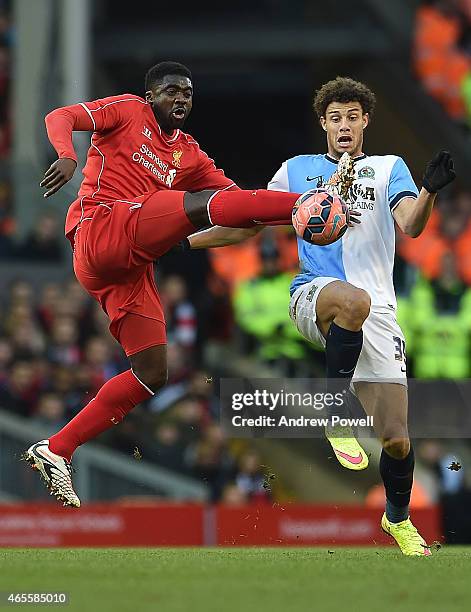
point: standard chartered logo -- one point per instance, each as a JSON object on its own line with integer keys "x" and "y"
{"x": 152, "y": 162}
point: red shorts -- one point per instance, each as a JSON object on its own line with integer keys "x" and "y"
{"x": 114, "y": 250}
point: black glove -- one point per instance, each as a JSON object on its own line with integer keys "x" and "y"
{"x": 439, "y": 172}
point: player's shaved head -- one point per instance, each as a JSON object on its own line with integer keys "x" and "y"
{"x": 157, "y": 73}
{"x": 344, "y": 89}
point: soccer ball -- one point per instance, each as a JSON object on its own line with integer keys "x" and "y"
{"x": 320, "y": 217}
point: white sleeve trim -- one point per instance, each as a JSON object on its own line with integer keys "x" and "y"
{"x": 280, "y": 181}
{"x": 403, "y": 196}
{"x": 91, "y": 116}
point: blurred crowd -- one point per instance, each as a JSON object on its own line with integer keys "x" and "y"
{"x": 56, "y": 352}
{"x": 44, "y": 244}
{"x": 442, "y": 54}
{"x": 433, "y": 282}
{"x": 6, "y": 218}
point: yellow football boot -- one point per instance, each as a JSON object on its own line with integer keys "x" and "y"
{"x": 408, "y": 538}
{"x": 346, "y": 448}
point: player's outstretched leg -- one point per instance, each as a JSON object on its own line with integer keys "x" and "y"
{"x": 239, "y": 208}
{"x": 341, "y": 310}
{"x": 117, "y": 397}
{"x": 161, "y": 219}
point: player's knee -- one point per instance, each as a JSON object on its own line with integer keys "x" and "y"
{"x": 150, "y": 366}
{"x": 152, "y": 376}
{"x": 355, "y": 306}
{"x": 398, "y": 448}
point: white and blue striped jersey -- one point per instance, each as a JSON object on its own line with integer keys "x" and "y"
{"x": 364, "y": 256}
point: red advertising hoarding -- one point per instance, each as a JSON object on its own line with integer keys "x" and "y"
{"x": 295, "y": 525}
{"x": 47, "y": 525}
{"x": 35, "y": 525}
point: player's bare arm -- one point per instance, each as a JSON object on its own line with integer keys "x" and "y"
{"x": 217, "y": 236}
{"x": 412, "y": 214}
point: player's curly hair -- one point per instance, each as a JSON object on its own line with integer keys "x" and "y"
{"x": 159, "y": 71}
{"x": 344, "y": 89}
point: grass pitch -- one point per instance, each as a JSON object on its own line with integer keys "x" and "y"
{"x": 241, "y": 580}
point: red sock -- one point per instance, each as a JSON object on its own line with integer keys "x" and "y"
{"x": 249, "y": 208}
{"x": 112, "y": 403}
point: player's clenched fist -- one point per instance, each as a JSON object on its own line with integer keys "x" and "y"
{"x": 58, "y": 174}
{"x": 439, "y": 172}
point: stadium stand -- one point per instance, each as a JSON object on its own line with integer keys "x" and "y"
{"x": 55, "y": 351}
{"x": 442, "y": 57}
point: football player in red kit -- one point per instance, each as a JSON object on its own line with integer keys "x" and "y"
{"x": 147, "y": 185}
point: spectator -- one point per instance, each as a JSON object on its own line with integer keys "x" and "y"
{"x": 210, "y": 460}
{"x": 44, "y": 243}
{"x": 7, "y": 224}
{"x": 201, "y": 388}
{"x": 454, "y": 494}
{"x": 260, "y": 309}
{"x": 50, "y": 296}
{"x": 6, "y": 357}
{"x": 217, "y": 317}
{"x": 250, "y": 477}
{"x": 438, "y": 315}
{"x": 63, "y": 381}
{"x": 63, "y": 347}
{"x": 27, "y": 339}
{"x": 19, "y": 392}
{"x": 189, "y": 414}
{"x": 449, "y": 229}
{"x": 19, "y": 322}
{"x": 243, "y": 262}
{"x": 167, "y": 447}
{"x": 50, "y": 412}
{"x": 99, "y": 357}
{"x": 21, "y": 292}
{"x": 180, "y": 313}
{"x": 232, "y": 495}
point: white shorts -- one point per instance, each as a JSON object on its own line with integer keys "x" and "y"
{"x": 383, "y": 355}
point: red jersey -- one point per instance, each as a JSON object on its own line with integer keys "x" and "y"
{"x": 129, "y": 154}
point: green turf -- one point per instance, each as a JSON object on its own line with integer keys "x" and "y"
{"x": 242, "y": 580}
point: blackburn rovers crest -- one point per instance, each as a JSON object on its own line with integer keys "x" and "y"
{"x": 177, "y": 157}
{"x": 366, "y": 172}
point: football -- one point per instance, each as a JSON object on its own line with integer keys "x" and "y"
{"x": 320, "y": 217}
